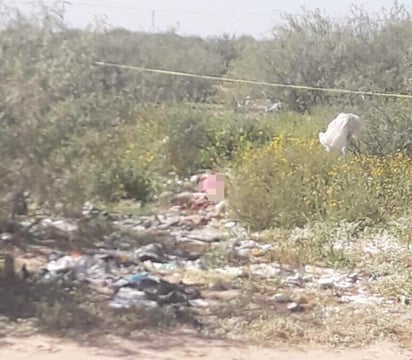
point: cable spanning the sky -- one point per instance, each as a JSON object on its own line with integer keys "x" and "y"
{"x": 96, "y": 5}
{"x": 187, "y": 17}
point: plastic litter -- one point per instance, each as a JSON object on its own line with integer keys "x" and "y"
{"x": 341, "y": 132}
{"x": 128, "y": 297}
{"x": 153, "y": 252}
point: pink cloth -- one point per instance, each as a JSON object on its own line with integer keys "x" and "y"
{"x": 210, "y": 183}
{"x": 213, "y": 185}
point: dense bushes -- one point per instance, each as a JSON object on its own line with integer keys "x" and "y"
{"x": 361, "y": 52}
{"x": 72, "y": 131}
{"x": 389, "y": 127}
{"x": 292, "y": 181}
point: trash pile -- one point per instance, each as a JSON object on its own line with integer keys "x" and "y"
{"x": 110, "y": 274}
{"x": 146, "y": 260}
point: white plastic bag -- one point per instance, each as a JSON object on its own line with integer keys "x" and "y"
{"x": 341, "y": 131}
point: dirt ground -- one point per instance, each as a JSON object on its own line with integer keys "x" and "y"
{"x": 182, "y": 347}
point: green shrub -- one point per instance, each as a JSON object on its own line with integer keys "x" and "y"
{"x": 200, "y": 138}
{"x": 388, "y": 126}
{"x": 73, "y": 131}
{"x": 293, "y": 180}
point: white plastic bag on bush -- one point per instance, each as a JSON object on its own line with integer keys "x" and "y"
{"x": 341, "y": 132}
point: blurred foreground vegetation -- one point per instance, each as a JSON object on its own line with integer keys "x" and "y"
{"x": 73, "y": 131}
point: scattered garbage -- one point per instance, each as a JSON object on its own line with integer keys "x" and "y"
{"x": 145, "y": 290}
{"x": 144, "y": 261}
{"x": 128, "y": 297}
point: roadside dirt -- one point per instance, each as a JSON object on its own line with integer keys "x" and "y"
{"x": 182, "y": 347}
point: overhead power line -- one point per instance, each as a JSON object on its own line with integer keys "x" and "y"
{"x": 252, "y": 82}
{"x": 170, "y": 11}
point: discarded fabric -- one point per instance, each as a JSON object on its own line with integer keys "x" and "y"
{"x": 341, "y": 132}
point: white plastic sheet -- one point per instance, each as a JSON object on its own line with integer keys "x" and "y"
{"x": 341, "y": 132}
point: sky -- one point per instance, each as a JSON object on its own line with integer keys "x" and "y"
{"x": 202, "y": 17}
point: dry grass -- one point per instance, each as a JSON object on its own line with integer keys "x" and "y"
{"x": 379, "y": 255}
{"x": 254, "y": 317}
{"x": 343, "y": 326}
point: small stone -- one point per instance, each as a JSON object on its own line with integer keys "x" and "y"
{"x": 220, "y": 207}
{"x": 281, "y": 298}
{"x": 55, "y": 255}
{"x": 230, "y": 224}
{"x": 184, "y": 198}
{"x": 265, "y": 270}
{"x": 192, "y": 246}
{"x": 188, "y": 186}
{"x": 62, "y": 264}
{"x": 50, "y": 278}
{"x": 221, "y": 296}
{"x": 196, "y": 219}
{"x": 296, "y": 280}
{"x": 327, "y": 283}
{"x": 165, "y": 238}
{"x": 165, "y": 197}
{"x": 153, "y": 252}
{"x": 6, "y": 236}
{"x": 62, "y": 225}
{"x": 354, "y": 277}
{"x": 169, "y": 223}
{"x": 139, "y": 228}
{"x": 199, "y": 303}
{"x": 124, "y": 246}
{"x": 359, "y": 299}
{"x": 243, "y": 253}
{"x": 221, "y": 285}
{"x": 318, "y": 271}
{"x": 344, "y": 284}
{"x": 207, "y": 234}
{"x": 302, "y": 300}
{"x": 295, "y": 307}
{"x": 404, "y": 300}
{"x": 194, "y": 179}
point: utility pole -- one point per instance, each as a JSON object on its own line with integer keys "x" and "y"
{"x": 63, "y": 7}
{"x": 153, "y": 20}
